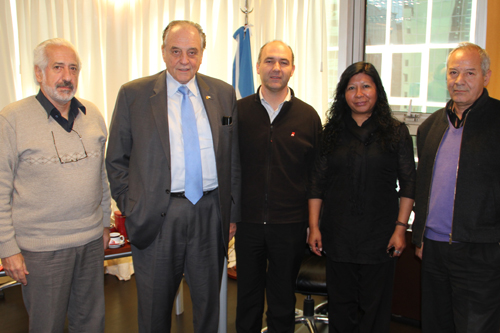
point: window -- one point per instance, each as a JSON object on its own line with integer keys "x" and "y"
{"x": 408, "y": 42}
{"x": 332, "y": 25}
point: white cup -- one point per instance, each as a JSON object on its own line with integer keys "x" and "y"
{"x": 116, "y": 238}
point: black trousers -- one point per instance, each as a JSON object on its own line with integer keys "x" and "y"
{"x": 460, "y": 287}
{"x": 268, "y": 259}
{"x": 359, "y": 296}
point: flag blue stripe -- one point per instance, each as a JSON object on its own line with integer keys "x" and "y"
{"x": 242, "y": 66}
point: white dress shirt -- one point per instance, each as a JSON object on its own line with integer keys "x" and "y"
{"x": 208, "y": 164}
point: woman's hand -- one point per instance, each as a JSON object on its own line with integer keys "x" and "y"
{"x": 397, "y": 241}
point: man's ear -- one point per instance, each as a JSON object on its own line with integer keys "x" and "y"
{"x": 38, "y": 74}
{"x": 487, "y": 77}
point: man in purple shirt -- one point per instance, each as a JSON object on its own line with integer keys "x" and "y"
{"x": 457, "y": 202}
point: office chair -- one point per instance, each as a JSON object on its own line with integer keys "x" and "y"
{"x": 311, "y": 280}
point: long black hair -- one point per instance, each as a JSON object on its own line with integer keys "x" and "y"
{"x": 382, "y": 114}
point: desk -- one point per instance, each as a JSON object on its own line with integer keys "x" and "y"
{"x": 406, "y": 301}
{"x": 124, "y": 251}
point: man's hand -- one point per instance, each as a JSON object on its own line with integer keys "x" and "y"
{"x": 314, "y": 240}
{"x": 15, "y": 267}
{"x": 105, "y": 238}
{"x": 232, "y": 230}
{"x": 418, "y": 251}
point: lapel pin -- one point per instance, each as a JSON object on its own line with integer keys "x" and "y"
{"x": 208, "y": 97}
{"x": 293, "y": 134}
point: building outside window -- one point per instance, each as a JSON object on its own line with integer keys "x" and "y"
{"x": 408, "y": 42}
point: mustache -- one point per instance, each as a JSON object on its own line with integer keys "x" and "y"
{"x": 65, "y": 84}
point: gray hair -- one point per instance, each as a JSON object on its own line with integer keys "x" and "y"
{"x": 40, "y": 58}
{"x": 276, "y": 40}
{"x": 184, "y": 22}
{"x": 485, "y": 58}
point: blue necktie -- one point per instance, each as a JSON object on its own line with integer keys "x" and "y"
{"x": 193, "y": 185}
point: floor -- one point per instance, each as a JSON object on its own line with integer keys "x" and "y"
{"x": 121, "y": 310}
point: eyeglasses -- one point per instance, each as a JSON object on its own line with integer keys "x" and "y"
{"x": 70, "y": 158}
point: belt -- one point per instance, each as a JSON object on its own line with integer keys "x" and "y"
{"x": 183, "y": 194}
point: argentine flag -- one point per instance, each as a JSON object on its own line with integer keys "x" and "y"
{"x": 242, "y": 66}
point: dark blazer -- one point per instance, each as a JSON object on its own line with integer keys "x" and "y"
{"x": 138, "y": 156}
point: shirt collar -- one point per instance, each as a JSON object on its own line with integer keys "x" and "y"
{"x": 173, "y": 86}
{"x": 454, "y": 120}
{"x": 287, "y": 98}
{"x": 49, "y": 107}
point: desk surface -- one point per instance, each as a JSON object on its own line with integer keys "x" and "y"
{"x": 120, "y": 252}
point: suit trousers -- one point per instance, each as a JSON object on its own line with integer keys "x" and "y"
{"x": 268, "y": 258}
{"x": 66, "y": 281}
{"x": 359, "y": 296}
{"x": 190, "y": 243}
{"x": 460, "y": 287}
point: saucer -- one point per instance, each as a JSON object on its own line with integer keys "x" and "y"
{"x": 116, "y": 245}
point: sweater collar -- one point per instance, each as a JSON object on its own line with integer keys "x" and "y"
{"x": 51, "y": 110}
{"x": 257, "y": 95}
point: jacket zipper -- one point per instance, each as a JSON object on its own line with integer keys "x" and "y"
{"x": 269, "y": 159}
{"x": 456, "y": 180}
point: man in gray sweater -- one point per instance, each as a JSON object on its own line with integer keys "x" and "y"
{"x": 54, "y": 196}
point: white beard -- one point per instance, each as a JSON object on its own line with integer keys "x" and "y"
{"x": 56, "y": 95}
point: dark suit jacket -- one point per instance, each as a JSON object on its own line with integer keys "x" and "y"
{"x": 138, "y": 156}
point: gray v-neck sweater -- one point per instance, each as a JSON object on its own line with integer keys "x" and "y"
{"x": 46, "y": 205}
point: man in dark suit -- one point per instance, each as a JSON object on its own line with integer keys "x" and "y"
{"x": 178, "y": 205}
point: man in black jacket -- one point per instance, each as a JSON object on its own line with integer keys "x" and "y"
{"x": 279, "y": 136}
{"x": 457, "y": 202}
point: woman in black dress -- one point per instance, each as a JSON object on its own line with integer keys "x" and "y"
{"x": 365, "y": 153}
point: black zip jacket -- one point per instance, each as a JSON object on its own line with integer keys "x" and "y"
{"x": 276, "y": 159}
{"x": 476, "y": 212}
